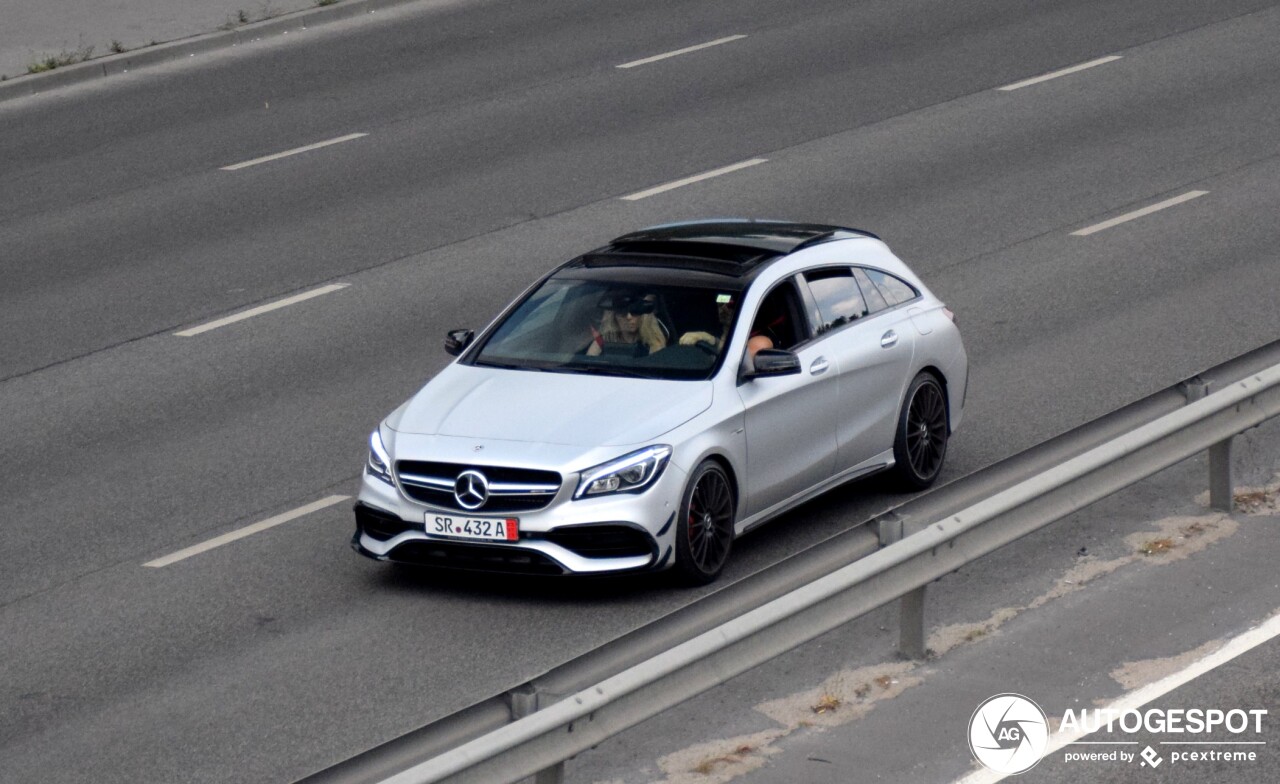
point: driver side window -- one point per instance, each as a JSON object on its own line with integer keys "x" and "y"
{"x": 779, "y": 318}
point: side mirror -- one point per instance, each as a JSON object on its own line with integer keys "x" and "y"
{"x": 774, "y": 362}
{"x": 457, "y": 340}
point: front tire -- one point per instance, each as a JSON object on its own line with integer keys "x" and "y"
{"x": 920, "y": 441}
{"x": 704, "y": 534}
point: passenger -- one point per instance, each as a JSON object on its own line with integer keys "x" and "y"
{"x": 628, "y": 321}
{"x": 724, "y": 312}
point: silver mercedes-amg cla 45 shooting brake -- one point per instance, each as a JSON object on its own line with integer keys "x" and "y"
{"x": 644, "y": 404}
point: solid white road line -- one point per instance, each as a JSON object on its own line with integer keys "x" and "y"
{"x": 287, "y": 153}
{"x": 1063, "y": 72}
{"x": 1235, "y": 647}
{"x": 270, "y": 306}
{"x": 677, "y": 52}
{"x": 695, "y": 178}
{"x": 248, "y": 530}
{"x": 1128, "y": 216}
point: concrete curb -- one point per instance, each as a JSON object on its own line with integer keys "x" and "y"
{"x": 110, "y": 65}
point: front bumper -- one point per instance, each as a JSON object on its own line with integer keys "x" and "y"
{"x": 607, "y": 535}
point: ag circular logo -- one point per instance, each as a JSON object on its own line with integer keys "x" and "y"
{"x": 1008, "y": 734}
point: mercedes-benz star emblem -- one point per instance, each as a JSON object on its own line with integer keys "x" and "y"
{"x": 471, "y": 490}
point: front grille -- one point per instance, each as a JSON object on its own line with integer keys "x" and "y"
{"x": 488, "y": 558}
{"x": 510, "y": 489}
{"x": 381, "y": 525}
{"x": 602, "y": 541}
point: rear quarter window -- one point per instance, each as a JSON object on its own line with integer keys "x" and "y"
{"x": 875, "y": 300}
{"x": 894, "y": 290}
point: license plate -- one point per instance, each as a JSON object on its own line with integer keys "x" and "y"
{"x": 493, "y": 529}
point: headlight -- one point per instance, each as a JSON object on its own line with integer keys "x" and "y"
{"x": 379, "y": 463}
{"x": 628, "y": 474}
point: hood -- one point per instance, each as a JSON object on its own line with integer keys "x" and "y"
{"x": 549, "y": 408}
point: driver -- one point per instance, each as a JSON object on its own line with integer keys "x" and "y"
{"x": 628, "y": 326}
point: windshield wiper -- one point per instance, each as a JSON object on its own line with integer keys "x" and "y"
{"x": 508, "y": 365}
{"x": 601, "y": 370}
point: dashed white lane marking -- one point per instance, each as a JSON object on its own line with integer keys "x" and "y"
{"x": 695, "y": 178}
{"x": 678, "y": 52}
{"x": 295, "y": 151}
{"x": 248, "y": 530}
{"x": 270, "y": 306}
{"x": 1235, "y": 647}
{"x": 1063, "y": 72}
{"x": 1128, "y": 216}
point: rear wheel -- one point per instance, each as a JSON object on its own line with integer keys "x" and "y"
{"x": 920, "y": 442}
{"x": 705, "y": 532}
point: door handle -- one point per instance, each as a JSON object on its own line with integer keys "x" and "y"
{"x": 889, "y": 339}
{"x": 819, "y": 366}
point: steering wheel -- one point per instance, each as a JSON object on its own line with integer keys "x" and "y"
{"x": 708, "y": 348}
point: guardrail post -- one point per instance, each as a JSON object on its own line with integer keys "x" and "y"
{"x": 911, "y": 640}
{"x": 1221, "y": 487}
{"x": 911, "y": 637}
{"x": 524, "y": 701}
{"x": 889, "y": 528}
{"x": 1221, "y": 491}
{"x": 1195, "y": 388}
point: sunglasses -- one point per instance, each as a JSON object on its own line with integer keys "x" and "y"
{"x": 636, "y": 306}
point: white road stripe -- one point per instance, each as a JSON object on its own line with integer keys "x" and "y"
{"x": 1128, "y": 216}
{"x": 677, "y": 52}
{"x": 270, "y": 306}
{"x": 1063, "y": 72}
{"x": 695, "y": 178}
{"x": 1237, "y": 646}
{"x": 295, "y": 151}
{"x": 248, "y": 530}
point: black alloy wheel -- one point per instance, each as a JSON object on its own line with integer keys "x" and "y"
{"x": 705, "y": 532}
{"x": 920, "y": 443}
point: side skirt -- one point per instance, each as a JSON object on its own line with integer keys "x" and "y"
{"x": 880, "y": 462}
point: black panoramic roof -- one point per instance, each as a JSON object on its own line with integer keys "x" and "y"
{"x": 728, "y": 247}
{"x": 776, "y": 236}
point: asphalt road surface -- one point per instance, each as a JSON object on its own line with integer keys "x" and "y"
{"x": 500, "y": 139}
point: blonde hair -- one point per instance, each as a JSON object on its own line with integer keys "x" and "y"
{"x": 649, "y": 332}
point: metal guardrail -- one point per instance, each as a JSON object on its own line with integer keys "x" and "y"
{"x": 541, "y": 741}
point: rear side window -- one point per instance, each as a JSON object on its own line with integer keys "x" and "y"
{"x": 894, "y": 290}
{"x": 837, "y": 296}
{"x": 875, "y": 300}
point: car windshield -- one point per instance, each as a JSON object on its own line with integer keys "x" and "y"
{"x": 615, "y": 327}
